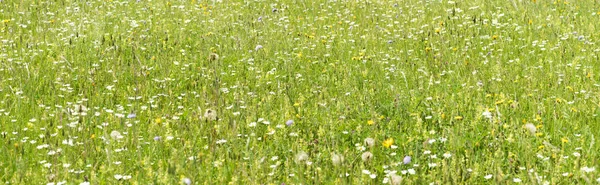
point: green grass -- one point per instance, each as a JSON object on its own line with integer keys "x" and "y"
{"x": 452, "y": 83}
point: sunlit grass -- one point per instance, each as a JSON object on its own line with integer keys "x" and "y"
{"x": 299, "y": 92}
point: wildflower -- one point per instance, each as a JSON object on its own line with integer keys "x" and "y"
{"x": 367, "y": 156}
{"x": 158, "y": 121}
{"x": 116, "y": 135}
{"x": 301, "y": 157}
{"x": 80, "y": 109}
{"x": 337, "y": 159}
{"x": 517, "y": 180}
{"x": 489, "y": 176}
{"x": 487, "y": 114}
{"x": 370, "y": 122}
{"x": 258, "y": 47}
{"x": 531, "y": 128}
{"x": 447, "y": 155}
{"x": 213, "y": 57}
{"x": 388, "y": 142}
{"x": 210, "y": 115}
{"x": 289, "y": 123}
{"x": 406, "y": 159}
{"x": 221, "y": 141}
{"x": 395, "y": 179}
{"x": 157, "y": 138}
{"x": 564, "y": 140}
{"x": 186, "y": 181}
{"x": 85, "y": 183}
{"x": 588, "y": 169}
{"x": 131, "y": 115}
{"x": 369, "y": 142}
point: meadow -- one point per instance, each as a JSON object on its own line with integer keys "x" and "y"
{"x": 299, "y": 92}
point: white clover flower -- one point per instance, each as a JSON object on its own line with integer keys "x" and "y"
{"x": 489, "y": 176}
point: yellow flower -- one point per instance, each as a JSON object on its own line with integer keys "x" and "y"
{"x": 564, "y": 140}
{"x": 5, "y": 21}
{"x": 158, "y": 121}
{"x": 541, "y": 147}
{"x": 370, "y": 122}
{"x": 388, "y": 142}
{"x": 539, "y": 134}
{"x": 93, "y": 136}
{"x": 458, "y": 118}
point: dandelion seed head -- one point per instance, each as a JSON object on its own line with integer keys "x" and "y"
{"x": 369, "y": 142}
{"x": 531, "y": 128}
{"x": 367, "y": 156}
{"x": 301, "y": 157}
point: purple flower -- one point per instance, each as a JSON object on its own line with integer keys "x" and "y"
{"x": 260, "y": 19}
{"x": 406, "y": 159}
{"x": 289, "y": 123}
{"x": 258, "y": 47}
{"x": 131, "y": 115}
{"x": 157, "y": 138}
